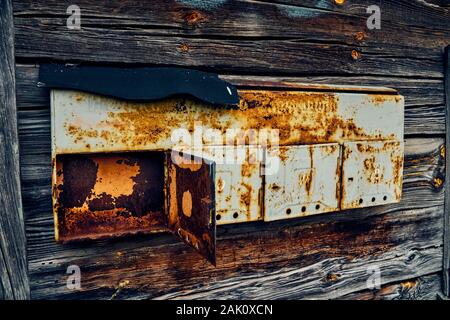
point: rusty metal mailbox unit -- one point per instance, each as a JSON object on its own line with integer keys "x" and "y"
{"x": 339, "y": 148}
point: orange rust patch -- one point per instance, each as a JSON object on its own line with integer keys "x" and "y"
{"x": 246, "y": 197}
{"x": 409, "y": 285}
{"x": 186, "y": 203}
{"x": 173, "y": 208}
{"x": 114, "y": 176}
{"x": 220, "y": 185}
{"x": 195, "y": 18}
{"x": 300, "y": 117}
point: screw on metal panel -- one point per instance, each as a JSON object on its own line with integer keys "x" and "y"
{"x": 437, "y": 182}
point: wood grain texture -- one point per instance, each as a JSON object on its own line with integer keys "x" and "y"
{"x": 308, "y": 41}
{"x": 13, "y": 264}
{"x": 422, "y": 288}
{"x": 304, "y": 39}
{"x": 446, "y": 266}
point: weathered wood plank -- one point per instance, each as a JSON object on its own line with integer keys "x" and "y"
{"x": 275, "y": 38}
{"x": 446, "y": 266}
{"x": 313, "y": 20}
{"x": 423, "y": 288}
{"x": 13, "y": 263}
{"x": 318, "y": 260}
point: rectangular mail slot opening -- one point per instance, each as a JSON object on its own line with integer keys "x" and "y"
{"x": 104, "y": 194}
{"x": 108, "y": 195}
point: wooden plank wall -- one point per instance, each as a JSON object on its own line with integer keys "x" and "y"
{"x": 316, "y": 41}
{"x": 13, "y": 263}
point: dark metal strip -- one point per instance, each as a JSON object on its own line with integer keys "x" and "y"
{"x": 140, "y": 84}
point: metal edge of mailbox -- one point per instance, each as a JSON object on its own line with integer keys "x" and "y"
{"x": 89, "y": 123}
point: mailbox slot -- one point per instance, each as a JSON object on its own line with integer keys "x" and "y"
{"x": 105, "y": 195}
{"x": 306, "y": 183}
{"x": 372, "y": 173}
{"x": 238, "y": 182}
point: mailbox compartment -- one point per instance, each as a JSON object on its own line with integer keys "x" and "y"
{"x": 307, "y": 182}
{"x": 103, "y": 195}
{"x": 372, "y": 173}
{"x": 238, "y": 182}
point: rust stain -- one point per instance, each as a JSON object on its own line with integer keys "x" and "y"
{"x": 114, "y": 177}
{"x": 186, "y": 203}
{"x": 220, "y": 185}
{"x": 246, "y": 197}
{"x": 360, "y": 36}
{"x": 139, "y": 124}
{"x": 184, "y": 48}
{"x": 173, "y": 208}
{"x": 275, "y": 187}
{"x": 195, "y": 17}
{"x": 408, "y": 285}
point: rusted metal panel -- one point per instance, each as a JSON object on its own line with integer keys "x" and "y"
{"x": 372, "y": 173}
{"x": 307, "y": 182}
{"x": 108, "y": 195}
{"x": 191, "y": 202}
{"x": 89, "y": 123}
{"x": 238, "y": 182}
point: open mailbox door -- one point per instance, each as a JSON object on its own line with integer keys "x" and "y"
{"x": 191, "y": 202}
